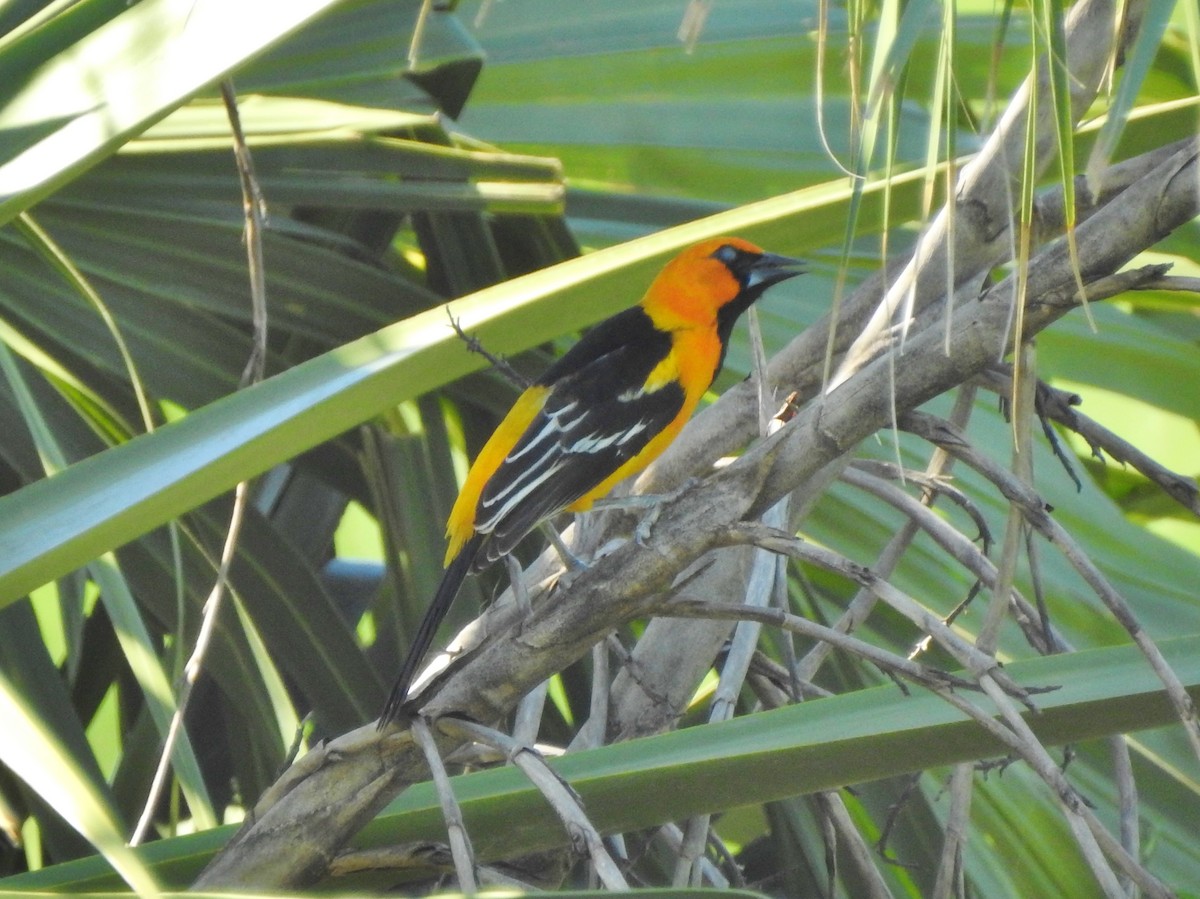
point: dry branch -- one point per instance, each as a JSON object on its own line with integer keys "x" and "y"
{"x": 1035, "y": 511}
{"x": 1063, "y": 407}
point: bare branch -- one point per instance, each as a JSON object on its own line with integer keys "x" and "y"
{"x": 1035, "y": 512}
{"x": 460, "y": 843}
{"x": 881, "y": 658}
{"x": 254, "y": 209}
{"x": 1062, "y": 406}
{"x": 557, "y": 792}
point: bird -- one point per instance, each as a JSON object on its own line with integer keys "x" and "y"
{"x": 603, "y": 411}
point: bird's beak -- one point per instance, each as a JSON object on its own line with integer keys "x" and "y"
{"x": 770, "y": 269}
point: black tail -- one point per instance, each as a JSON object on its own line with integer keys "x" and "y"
{"x": 447, "y": 590}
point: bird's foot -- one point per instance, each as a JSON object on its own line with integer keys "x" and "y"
{"x": 569, "y": 559}
{"x": 651, "y": 503}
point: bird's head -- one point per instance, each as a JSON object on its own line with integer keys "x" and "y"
{"x": 718, "y": 279}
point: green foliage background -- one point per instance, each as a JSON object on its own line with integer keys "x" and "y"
{"x": 403, "y": 167}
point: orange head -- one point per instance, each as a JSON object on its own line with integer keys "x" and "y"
{"x": 713, "y": 282}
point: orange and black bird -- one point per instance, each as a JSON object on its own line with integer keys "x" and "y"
{"x": 601, "y": 413}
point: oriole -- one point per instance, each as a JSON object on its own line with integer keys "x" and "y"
{"x": 601, "y": 413}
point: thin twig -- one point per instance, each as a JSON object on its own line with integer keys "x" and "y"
{"x": 591, "y": 733}
{"x": 1010, "y": 729}
{"x": 1025, "y": 378}
{"x": 1062, "y": 406}
{"x": 528, "y": 719}
{"x": 1089, "y": 832}
{"x": 419, "y": 858}
{"x": 959, "y": 547}
{"x": 558, "y": 793}
{"x": 688, "y": 870}
{"x": 456, "y": 831}
{"x": 764, "y": 574}
{"x": 774, "y": 685}
{"x": 934, "y": 485}
{"x": 1034, "y": 510}
{"x": 672, "y": 836}
{"x": 1094, "y": 840}
{"x": 762, "y": 382}
{"x": 892, "y": 818}
{"x": 881, "y": 658}
{"x": 920, "y": 513}
{"x": 499, "y": 363}
{"x": 254, "y": 210}
{"x": 968, "y": 656}
{"x": 833, "y": 810}
{"x": 1173, "y": 282}
{"x": 1035, "y": 579}
{"x": 950, "y": 865}
{"x": 1127, "y": 802}
{"x": 714, "y": 874}
{"x": 864, "y": 600}
{"x": 851, "y": 845}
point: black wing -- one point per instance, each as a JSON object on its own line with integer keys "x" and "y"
{"x": 595, "y": 420}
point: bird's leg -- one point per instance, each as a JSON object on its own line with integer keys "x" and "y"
{"x": 569, "y": 559}
{"x": 652, "y": 503}
{"x": 516, "y": 578}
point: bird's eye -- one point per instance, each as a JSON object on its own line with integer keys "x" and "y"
{"x": 726, "y": 254}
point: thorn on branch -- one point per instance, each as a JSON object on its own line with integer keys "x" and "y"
{"x": 923, "y": 644}
{"x": 1060, "y": 407}
{"x": 1068, "y": 757}
{"x": 932, "y": 487}
{"x": 1040, "y": 399}
{"x": 987, "y": 766}
{"x": 499, "y": 363}
{"x": 890, "y": 822}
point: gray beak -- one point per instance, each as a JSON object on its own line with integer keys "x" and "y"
{"x": 770, "y": 269}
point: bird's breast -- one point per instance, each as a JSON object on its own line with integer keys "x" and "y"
{"x": 693, "y": 363}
